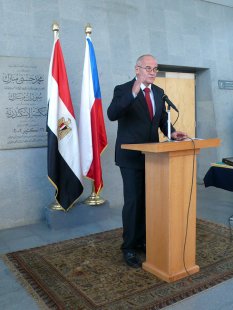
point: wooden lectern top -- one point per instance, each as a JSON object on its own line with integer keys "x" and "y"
{"x": 172, "y": 146}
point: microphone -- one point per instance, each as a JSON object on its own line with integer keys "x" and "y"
{"x": 165, "y": 98}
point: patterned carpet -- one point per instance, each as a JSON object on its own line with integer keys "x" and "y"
{"x": 89, "y": 272}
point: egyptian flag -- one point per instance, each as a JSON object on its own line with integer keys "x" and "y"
{"x": 64, "y": 170}
{"x": 92, "y": 134}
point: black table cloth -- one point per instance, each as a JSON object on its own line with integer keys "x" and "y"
{"x": 219, "y": 177}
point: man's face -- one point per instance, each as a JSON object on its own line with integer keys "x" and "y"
{"x": 146, "y": 70}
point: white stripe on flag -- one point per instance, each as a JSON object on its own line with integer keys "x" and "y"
{"x": 87, "y": 101}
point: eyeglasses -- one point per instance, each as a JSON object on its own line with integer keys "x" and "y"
{"x": 149, "y": 69}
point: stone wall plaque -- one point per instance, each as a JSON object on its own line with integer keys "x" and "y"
{"x": 224, "y": 84}
{"x": 23, "y": 102}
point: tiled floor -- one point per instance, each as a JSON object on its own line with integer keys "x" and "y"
{"x": 213, "y": 204}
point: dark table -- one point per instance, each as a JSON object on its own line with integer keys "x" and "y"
{"x": 219, "y": 177}
{"x": 222, "y": 178}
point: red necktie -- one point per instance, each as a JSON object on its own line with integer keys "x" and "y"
{"x": 148, "y": 101}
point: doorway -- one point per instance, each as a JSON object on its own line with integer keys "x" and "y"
{"x": 180, "y": 89}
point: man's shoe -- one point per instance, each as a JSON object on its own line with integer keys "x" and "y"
{"x": 141, "y": 247}
{"x": 132, "y": 259}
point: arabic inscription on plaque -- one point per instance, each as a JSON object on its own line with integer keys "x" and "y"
{"x": 23, "y": 112}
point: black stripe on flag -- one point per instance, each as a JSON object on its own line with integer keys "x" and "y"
{"x": 68, "y": 186}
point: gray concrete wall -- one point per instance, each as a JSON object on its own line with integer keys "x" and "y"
{"x": 191, "y": 33}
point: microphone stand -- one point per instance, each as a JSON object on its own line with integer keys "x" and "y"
{"x": 168, "y": 123}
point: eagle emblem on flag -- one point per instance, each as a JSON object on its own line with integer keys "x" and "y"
{"x": 63, "y": 128}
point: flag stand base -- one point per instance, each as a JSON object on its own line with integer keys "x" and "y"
{"x": 55, "y": 206}
{"x": 94, "y": 200}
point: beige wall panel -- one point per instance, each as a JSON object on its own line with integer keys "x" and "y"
{"x": 182, "y": 93}
{"x": 180, "y": 88}
{"x": 160, "y": 82}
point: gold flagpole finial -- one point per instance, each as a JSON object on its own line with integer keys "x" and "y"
{"x": 55, "y": 26}
{"x": 88, "y": 30}
{"x": 55, "y": 29}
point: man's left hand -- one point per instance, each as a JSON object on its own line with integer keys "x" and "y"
{"x": 179, "y": 135}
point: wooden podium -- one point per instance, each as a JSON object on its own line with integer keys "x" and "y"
{"x": 170, "y": 169}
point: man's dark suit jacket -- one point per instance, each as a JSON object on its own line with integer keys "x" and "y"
{"x": 134, "y": 123}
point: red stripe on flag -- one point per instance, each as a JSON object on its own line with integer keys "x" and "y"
{"x": 99, "y": 142}
{"x": 60, "y": 75}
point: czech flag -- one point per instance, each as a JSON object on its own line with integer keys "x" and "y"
{"x": 64, "y": 170}
{"x": 92, "y": 134}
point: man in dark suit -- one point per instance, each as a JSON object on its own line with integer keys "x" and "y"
{"x": 140, "y": 110}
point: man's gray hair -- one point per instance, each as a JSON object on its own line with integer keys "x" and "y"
{"x": 139, "y": 60}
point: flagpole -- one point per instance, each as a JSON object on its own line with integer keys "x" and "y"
{"x": 94, "y": 199}
{"x": 55, "y": 205}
